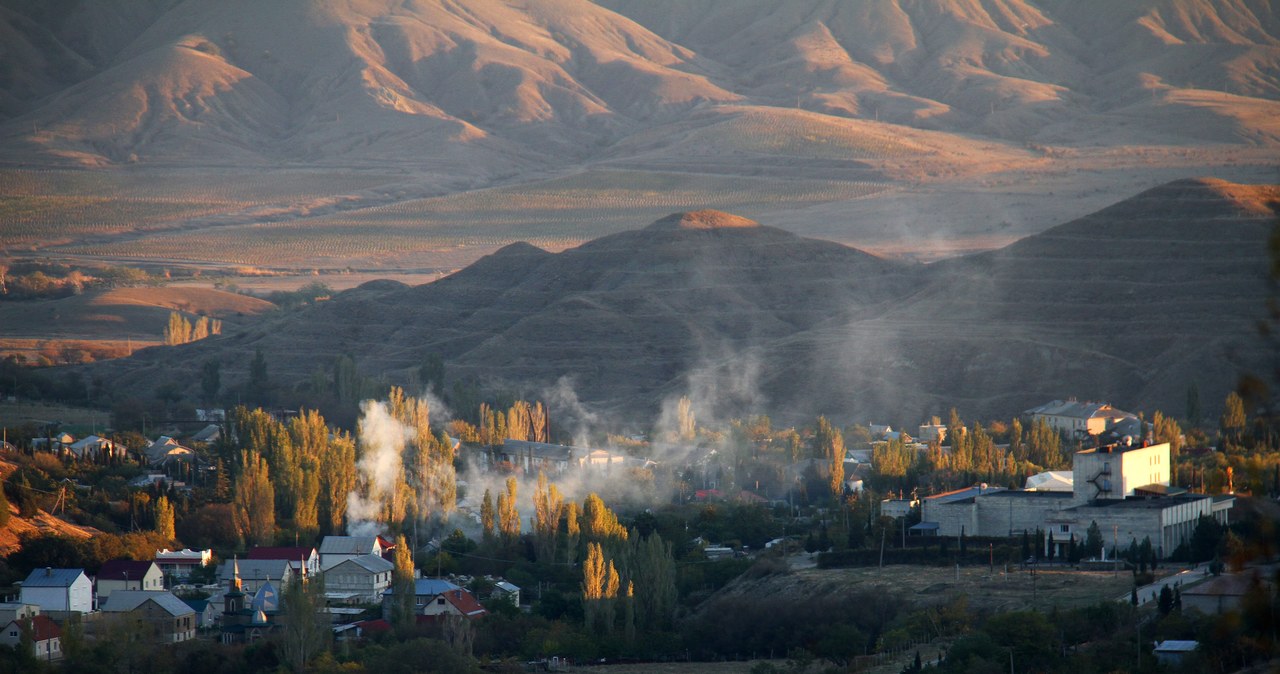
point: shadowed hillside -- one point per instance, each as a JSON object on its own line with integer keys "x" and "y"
{"x": 1128, "y": 304}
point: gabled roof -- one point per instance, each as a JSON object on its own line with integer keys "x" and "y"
{"x": 165, "y": 447}
{"x": 42, "y": 628}
{"x": 122, "y": 601}
{"x": 53, "y": 577}
{"x": 465, "y": 603}
{"x": 198, "y": 605}
{"x": 125, "y": 569}
{"x": 85, "y": 443}
{"x": 1077, "y": 410}
{"x": 347, "y": 545}
{"x": 430, "y": 587}
{"x": 292, "y": 554}
{"x": 266, "y": 598}
{"x": 505, "y": 586}
{"x": 209, "y": 433}
{"x": 370, "y": 563}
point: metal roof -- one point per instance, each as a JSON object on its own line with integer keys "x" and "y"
{"x": 47, "y": 577}
{"x": 347, "y": 545}
{"x": 122, "y": 601}
{"x": 370, "y": 563}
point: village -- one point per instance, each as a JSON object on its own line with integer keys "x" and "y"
{"x": 1116, "y": 508}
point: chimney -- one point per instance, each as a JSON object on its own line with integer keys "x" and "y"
{"x": 48, "y": 572}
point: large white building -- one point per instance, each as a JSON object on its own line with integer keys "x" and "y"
{"x": 58, "y": 591}
{"x": 1079, "y": 418}
{"x": 1124, "y": 489}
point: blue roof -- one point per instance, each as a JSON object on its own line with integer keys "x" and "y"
{"x": 430, "y": 587}
{"x": 52, "y": 577}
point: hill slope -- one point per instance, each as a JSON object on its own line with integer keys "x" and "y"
{"x": 1130, "y": 304}
{"x": 490, "y": 89}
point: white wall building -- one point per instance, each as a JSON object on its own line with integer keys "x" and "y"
{"x": 58, "y": 590}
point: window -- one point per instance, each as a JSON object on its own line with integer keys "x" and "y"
{"x": 1063, "y": 528}
{"x": 440, "y": 601}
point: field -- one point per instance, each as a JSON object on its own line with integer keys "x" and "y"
{"x": 448, "y": 232}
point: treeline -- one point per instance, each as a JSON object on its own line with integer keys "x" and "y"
{"x": 30, "y": 280}
{"x": 181, "y": 330}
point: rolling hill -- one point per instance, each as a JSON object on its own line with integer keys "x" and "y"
{"x": 1130, "y": 304}
{"x": 489, "y": 89}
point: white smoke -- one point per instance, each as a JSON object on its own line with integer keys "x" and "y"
{"x": 564, "y": 400}
{"x": 382, "y": 439}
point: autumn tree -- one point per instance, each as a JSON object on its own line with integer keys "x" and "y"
{"x": 1167, "y": 430}
{"x": 337, "y": 479}
{"x": 548, "y": 506}
{"x": 573, "y": 532}
{"x": 402, "y": 585}
{"x": 600, "y": 583}
{"x": 599, "y": 523}
{"x": 178, "y": 330}
{"x": 254, "y": 500}
{"x": 829, "y": 442}
{"x": 509, "y": 512}
{"x": 1233, "y": 420}
{"x": 687, "y": 424}
{"x": 487, "y": 516}
{"x": 164, "y": 518}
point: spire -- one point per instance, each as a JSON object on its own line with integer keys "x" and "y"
{"x": 236, "y": 570}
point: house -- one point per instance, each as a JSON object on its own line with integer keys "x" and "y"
{"x": 931, "y": 433}
{"x": 532, "y": 457}
{"x": 56, "y": 443}
{"x": 126, "y": 574}
{"x": 898, "y": 507}
{"x": 250, "y": 574}
{"x": 165, "y": 451}
{"x": 298, "y": 557}
{"x": 435, "y": 598}
{"x": 95, "y": 448}
{"x": 207, "y": 612}
{"x": 13, "y": 610}
{"x": 1221, "y": 594}
{"x": 178, "y": 564}
{"x": 601, "y": 458}
{"x": 358, "y": 579}
{"x": 337, "y": 549}
{"x": 1171, "y": 653}
{"x": 1078, "y": 419}
{"x": 58, "y": 591}
{"x": 170, "y": 618}
{"x": 504, "y": 591}
{"x": 208, "y": 434}
{"x": 46, "y": 636}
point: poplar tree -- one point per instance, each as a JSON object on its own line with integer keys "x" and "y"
{"x": 486, "y": 516}
{"x": 305, "y": 632}
{"x": 509, "y": 512}
{"x": 164, "y": 518}
{"x": 254, "y": 503}
{"x": 600, "y": 523}
{"x": 573, "y": 532}
{"x": 548, "y": 506}
{"x": 337, "y": 479}
{"x": 402, "y": 585}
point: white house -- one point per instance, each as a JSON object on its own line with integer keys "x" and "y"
{"x": 58, "y": 590}
{"x": 46, "y": 636}
{"x": 1078, "y": 418}
{"x": 126, "y": 574}
{"x": 361, "y": 579}
{"x": 180, "y": 563}
{"x": 435, "y": 598}
{"x": 337, "y": 549}
{"x": 95, "y": 448}
{"x": 165, "y": 450}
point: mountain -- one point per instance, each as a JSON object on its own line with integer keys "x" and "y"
{"x": 492, "y": 89}
{"x": 1130, "y": 304}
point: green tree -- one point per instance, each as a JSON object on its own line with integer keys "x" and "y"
{"x": 306, "y": 631}
{"x": 548, "y": 507}
{"x": 830, "y": 445}
{"x": 1093, "y": 540}
{"x": 259, "y": 379}
{"x": 431, "y": 374}
{"x": 487, "y": 516}
{"x": 1167, "y": 430}
{"x": 210, "y": 380}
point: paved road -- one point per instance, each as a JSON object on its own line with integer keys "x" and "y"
{"x": 1151, "y": 593}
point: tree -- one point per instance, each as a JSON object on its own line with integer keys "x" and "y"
{"x": 572, "y": 532}
{"x": 164, "y": 518}
{"x": 486, "y": 516}
{"x": 652, "y": 568}
{"x": 337, "y": 479}
{"x": 1052, "y": 548}
{"x": 1165, "y": 604}
{"x": 600, "y": 584}
{"x": 254, "y": 501}
{"x": 686, "y": 422}
{"x": 178, "y": 331}
{"x": 402, "y": 586}
{"x": 259, "y": 380}
{"x": 508, "y": 512}
{"x": 306, "y": 631}
{"x": 1233, "y": 419}
{"x": 548, "y": 506}
{"x": 1093, "y": 540}
{"x": 1194, "y": 415}
{"x": 599, "y": 522}
{"x": 1167, "y": 430}
{"x": 210, "y": 380}
{"x": 830, "y": 445}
